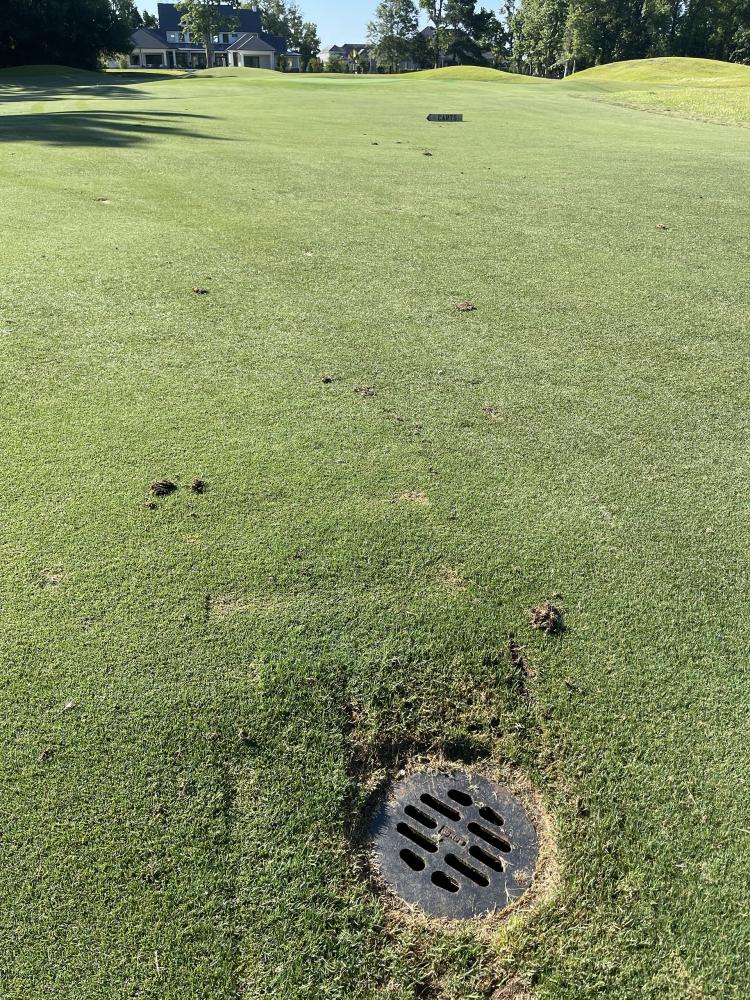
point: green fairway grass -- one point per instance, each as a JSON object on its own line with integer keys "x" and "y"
{"x": 473, "y": 73}
{"x": 203, "y": 693}
{"x": 699, "y": 88}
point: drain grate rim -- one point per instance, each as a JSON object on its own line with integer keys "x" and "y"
{"x": 455, "y": 845}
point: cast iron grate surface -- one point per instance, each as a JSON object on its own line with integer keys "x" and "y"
{"x": 455, "y": 845}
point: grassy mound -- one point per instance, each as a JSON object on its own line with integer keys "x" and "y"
{"x": 238, "y": 71}
{"x": 481, "y": 73}
{"x": 696, "y": 88}
{"x": 674, "y": 71}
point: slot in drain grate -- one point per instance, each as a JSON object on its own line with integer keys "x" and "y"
{"x": 455, "y": 845}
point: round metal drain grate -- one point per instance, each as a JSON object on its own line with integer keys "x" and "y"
{"x": 454, "y": 844}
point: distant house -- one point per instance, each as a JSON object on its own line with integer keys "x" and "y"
{"x": 345, "y": 53}
{"x": 170, "y": 47}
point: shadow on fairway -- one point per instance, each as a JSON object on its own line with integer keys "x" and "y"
{"x": 64, "y": 89}
{"x": 98, "y": 128}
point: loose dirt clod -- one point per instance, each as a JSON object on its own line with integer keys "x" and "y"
{"x": 199, "y": 485}
{"x": 162, "y": 487}
{"x": 201, "y": 291}
{"x": 466, "y": 307}
{"x": 546, "y": 618}
{"x": 365, "y": 390}
{"x": 326, "y": 379}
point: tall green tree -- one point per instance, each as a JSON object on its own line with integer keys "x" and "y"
{"x": 294, "y": 23}
{"x": 472, "y": 31}
{"x": 274, "y": 15}
{"x": 740, "y": 51}
{"x": 204, "y": 19}
{"x": 308, "y": 45}
{"x": 539, "y": 31}
{"x": 436, "y": 12}
{"x": 421, "y": 52}
{"x": 391, "y": 30}
{"x": 284, "y": 18}
{"x": 67, "y": 32}
{"x": 552, "y": 37}
{"x": 131, "y": 14}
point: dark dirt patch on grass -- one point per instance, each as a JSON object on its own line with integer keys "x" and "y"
{"x": 162, "y": 488}
{"x": 547, "y": 618}
{"x": 520, "y": 664}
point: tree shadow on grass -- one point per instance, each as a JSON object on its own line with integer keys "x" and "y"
{"x": 62, "y": 88}
{"x": 99, "y": 128}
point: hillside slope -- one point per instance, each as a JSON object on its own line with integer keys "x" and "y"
{"x": 697, "y": 88}
{"x": 674, "y": 71}
{"x": 475, "y": 73}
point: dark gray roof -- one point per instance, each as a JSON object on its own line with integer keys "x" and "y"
{"x": 146, "y": 38}
{"x": 250, "y": 43}
{"x": 150, "y": 38}
{"x": 248, "y": 20}
{"x": 346, "y": 49}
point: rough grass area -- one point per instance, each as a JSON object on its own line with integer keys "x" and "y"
{"x": 698, "y": 88}
{"x": 203, "y": 690}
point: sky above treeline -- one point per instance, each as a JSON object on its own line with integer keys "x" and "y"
{"x": 338, "y": 21}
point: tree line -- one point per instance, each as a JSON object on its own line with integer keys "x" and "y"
{"x": 555, "y": 37}
{"x": 80, "y": 32}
